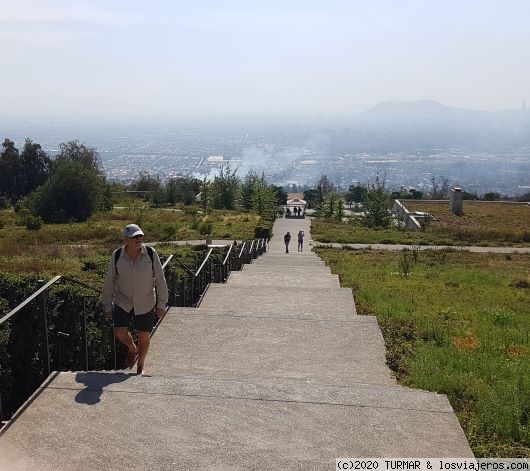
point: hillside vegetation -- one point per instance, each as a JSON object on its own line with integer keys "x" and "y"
{"x": 61, "y": 248}
{"x": 483, "y": 224}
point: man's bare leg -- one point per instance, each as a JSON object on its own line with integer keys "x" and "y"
{"x": 124, "y": 336}
{"x": 144, "y": 339}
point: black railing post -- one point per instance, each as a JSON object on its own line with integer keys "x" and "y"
{"x": 84, "y": 337}
{"x": 192, "y": 290}
{"x": 113, "y": 348}
{"x": 44, "y": 320}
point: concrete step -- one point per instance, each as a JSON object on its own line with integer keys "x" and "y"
{"x": 279, "y": 298}
{"x": 279, "y": 389}
{"x": 288, "y": 260}
{"x": 296, "y": 270}
{"x": 267, "y": 278}
{"x": 336, "y": 352}
{"x": 342, "y": 314}
{"x": 192, "y": 421}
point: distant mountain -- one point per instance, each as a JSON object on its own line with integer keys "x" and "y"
{"x": 420, "y": 109}
{"x": 428, "y": 123}
{"x": 428, "y": 112}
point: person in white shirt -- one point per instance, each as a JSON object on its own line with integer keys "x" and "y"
{"x": 134, "y": 291}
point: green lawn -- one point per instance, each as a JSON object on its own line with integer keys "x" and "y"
{"x": 459, "y": 324}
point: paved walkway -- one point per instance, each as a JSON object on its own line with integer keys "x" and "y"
{"x": 275, "y": 370}
{"x": 465, "y": 248}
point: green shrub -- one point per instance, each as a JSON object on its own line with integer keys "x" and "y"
{"x": 520, "y": 283}
{"x": 170, "y": 230}
{"x": 205, "y": 228}
{"x": 33, "y": 223}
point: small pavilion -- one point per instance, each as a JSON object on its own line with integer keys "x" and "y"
{"x": 295, "y": 203}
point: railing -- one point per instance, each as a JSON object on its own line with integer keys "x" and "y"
{"x": 43, "y": 323}
{"x": 188, "y": 288}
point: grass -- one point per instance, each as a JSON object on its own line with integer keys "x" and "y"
{"x": 62, "y": 248}
{"x": 458, "y": 324}
{"x": 483, "y": 224}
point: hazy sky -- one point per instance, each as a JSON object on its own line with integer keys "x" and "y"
{"x": 146, "y": 57}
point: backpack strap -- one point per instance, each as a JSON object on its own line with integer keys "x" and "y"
{"x": 150, "y": 253}
{"x": 117, "y": 257}
{"x": 149, "y": 250}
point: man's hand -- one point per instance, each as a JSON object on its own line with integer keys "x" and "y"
{"x": 160, "y": 312}
{"x": 108, "y": 316}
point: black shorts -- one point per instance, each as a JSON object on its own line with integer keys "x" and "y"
{"x": 142, "y": 322}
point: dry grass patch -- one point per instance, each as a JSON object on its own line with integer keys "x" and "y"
{"x": 487, "y": 215}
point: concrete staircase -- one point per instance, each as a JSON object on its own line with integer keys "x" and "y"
{"x": 275, "y": 370}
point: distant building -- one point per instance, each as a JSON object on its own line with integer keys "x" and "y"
{"x": 294, "y": 203}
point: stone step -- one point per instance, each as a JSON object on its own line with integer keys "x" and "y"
{"x": 283, "y": 389}
{"x": 287, "y": 260}
{"x": 336, "y": 352}
{"x": 315, "y": 313}
{"x": 299, "y": 271}
{"x": 192, "y": 421}
{"x": 271, "y": 278}
{"x": 275, "y": 298}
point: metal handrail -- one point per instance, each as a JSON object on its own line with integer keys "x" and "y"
{"x": 228, "y": 253}
{"x": 184, "y": 266}
{"x": 28, "y": 300}
{"x": 166, "y": 263}
{"x": 204, "y": 262}
{"x": 80, "y": 283}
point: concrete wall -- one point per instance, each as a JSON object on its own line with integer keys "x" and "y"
{"x": 410, "y": 221}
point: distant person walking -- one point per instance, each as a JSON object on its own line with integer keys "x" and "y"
{"x": 129, "y": 294}
{"x": 300, "y": 241}
{"x": 287, "y": 239}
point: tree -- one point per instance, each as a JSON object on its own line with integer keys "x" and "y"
{"x": 491, "y": 196}
{"x": 145, "y": 182}
{"x": 73, "y": 151}
{"x": 76, "y": 187}
{"x": 416, "y": 195}
{"x": 339, "y": 212}
{"x": 355, "y": 194}
{"x": 311, "y": 197}
{"x": 172, "y": 191}
{"x": 224, "y": 190}
{"x": 35, "y": 166}
{"x": 440, "y": 188}
{"x": 377, "y": 206}
{"x": 158, "y": 195}
{"x": 11, "y": 181}
{"x": 281, "y": 195}
{"x": 324, "y": 186}
{"x": 264, "y": 198}
{"x": 248, "y": 188}
{"x": 71, "y": 193}
{"x": 470, "y": 196}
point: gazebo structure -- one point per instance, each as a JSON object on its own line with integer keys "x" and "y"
{"x": 295, "y": 207}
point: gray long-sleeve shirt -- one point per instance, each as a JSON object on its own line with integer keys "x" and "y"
{"x": 133, "y": 284}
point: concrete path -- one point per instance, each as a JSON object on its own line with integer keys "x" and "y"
{"x": 464, "y": 248}
{"x": 275, "y": 370}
